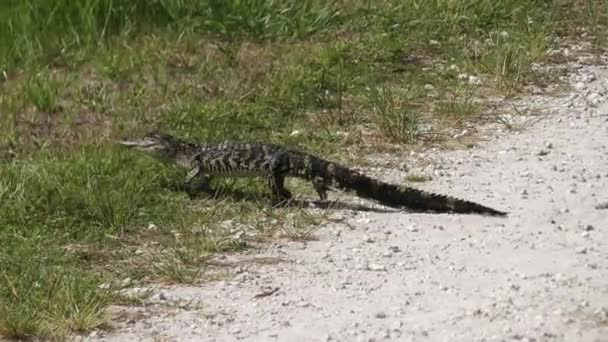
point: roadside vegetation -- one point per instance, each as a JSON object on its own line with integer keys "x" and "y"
{"x": 81, "y": 218}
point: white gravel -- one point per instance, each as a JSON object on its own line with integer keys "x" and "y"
{"x": 541, "y": 274}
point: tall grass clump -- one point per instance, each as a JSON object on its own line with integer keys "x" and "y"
{"x": 31, "y": 29}
{"x": 397, "y": 113}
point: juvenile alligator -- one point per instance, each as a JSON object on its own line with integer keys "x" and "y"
{"x": 275, "y": 162}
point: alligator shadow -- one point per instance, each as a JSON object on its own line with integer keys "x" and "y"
{"x": 250, "y": 196}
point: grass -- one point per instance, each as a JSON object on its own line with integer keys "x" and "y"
{"x": 457, "y": 103}
{"x": 397, "y": 116}
{"x": 81, "y": 218}
{"x": 52, "y": 302}
{"x": 42, "y": 90}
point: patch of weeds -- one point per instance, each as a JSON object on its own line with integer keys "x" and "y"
{"x": 50, "y": 202}
{"x": 43, "y": 91}
{"x": 41, "y": 298}
{"x": 174, "y": 271}
{"x": 294, "y": 222}
{"x": 583, "y": 18}
{"x": 195, "y": 235}
{"x": 299, "y": 233}
{"x": 506, "y": 121}
{"x": 509, "y": 58}
{"x": 266, "y": 18}
{"x": 85, "y": 213}
{"x": 34, "y": 31}
{"x": 596, "y": 13}
{"x": 510, "y": 121}
{"x": 457, "y": 102}
{"x": 87, "y": 300}
{"x": 133, "y": 299}
{"x": 397, "y": 113}
{"x": 120, "y": 66}
{"x": 183, "y": 258}
{"x": 9, "y": 120}
{"x": 97, "y": 98}
{"x": 62, "y": 191}
{"x": 223, "y": 120}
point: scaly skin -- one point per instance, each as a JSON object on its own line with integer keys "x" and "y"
{"x": 275, "y": 162}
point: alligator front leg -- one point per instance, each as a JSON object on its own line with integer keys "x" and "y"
{"x": 320, "y": 187}
{"x": 198, "y": 182}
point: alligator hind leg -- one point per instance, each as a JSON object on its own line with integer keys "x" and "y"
{"x": 198, "y": 182}
{"x": 279, "y": 168}
{"x": 280, "y": 195}
{"x": 320, "y": 187}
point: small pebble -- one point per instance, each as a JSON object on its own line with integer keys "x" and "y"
{"x": 376, "y": 267}
{"x": 381, "y": 315}
{"x": 396, "y": 326}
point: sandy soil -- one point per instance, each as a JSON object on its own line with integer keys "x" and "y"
{"x": 541, "y": 274}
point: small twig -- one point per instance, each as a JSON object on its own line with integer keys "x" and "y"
{"x": 501, "y": 119}
{"x": 267, "y": 292}
{"x": 10, "y": 285}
